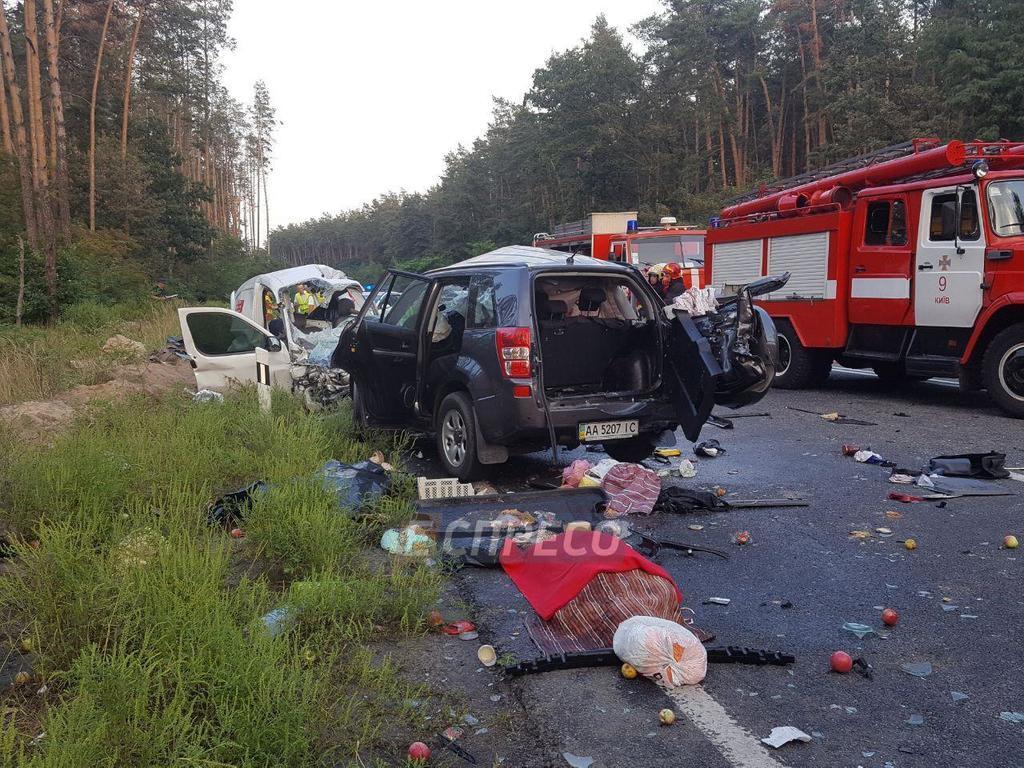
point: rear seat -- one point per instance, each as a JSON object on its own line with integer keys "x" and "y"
{"x": 581, "y": 350}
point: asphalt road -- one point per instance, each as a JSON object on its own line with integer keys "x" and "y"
{"x": 959, "y": 596}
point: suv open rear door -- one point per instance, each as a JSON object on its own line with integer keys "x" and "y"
{"x": 222, "y": 344}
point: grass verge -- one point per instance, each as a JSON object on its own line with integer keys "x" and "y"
{"x": 145, "y": 624}
{"x": 37, "y": 362}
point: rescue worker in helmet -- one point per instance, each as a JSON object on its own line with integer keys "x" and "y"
{"x": 672, "y": 282}
{"x": 654, "y": 278}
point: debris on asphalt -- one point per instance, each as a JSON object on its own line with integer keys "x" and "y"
{"x": 575, "y": 761}
{"x": 709, "y": 448}
{"x": 716, "y": 601}
{"x": 841, "y": 662}
{"x": 915, "y": 720}
{"x": 890, "y": 617}
{"x": 720, "y": 422}
{"x": 991, "y": 465}
{"x": 662, "y": 650}
{"x": 905, "y": 498}
{"x": 1012, "y": 717}
{"x": 834, "y": 417}
{"x": 628, "y": 671}
{"x": 666, "y": 716}
{"x": 458, "y": 627}
{"x": 632, "y": 490}
{"x": 487, "y": 655}
{"x": 958, "y": 696}
{"x": 918, "y": 668}
{"x": 862, "y": 668}
{"x": 741, "y": 538}
{"x": 784, "y": 734}
{"x": 861, "y": 630}
{"x": 910, "y": 544}
{"x": 1010, "y": 542}
{"x": 687, "y": 469}
{"x": 573, "y": 474}
{"x": 870, "y": 457}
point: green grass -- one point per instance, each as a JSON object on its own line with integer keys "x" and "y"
{"x": 37, "y": 362}
{"x": 145, "y": 623}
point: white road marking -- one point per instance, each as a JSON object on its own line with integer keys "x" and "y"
{"x": 736, "y": 744}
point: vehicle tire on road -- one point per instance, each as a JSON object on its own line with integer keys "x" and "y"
{"x": 456, "y": 437}
{"x": 799, "y": 367}
{"x": 633, "y": 449}
{"x": 1002, "y": 369}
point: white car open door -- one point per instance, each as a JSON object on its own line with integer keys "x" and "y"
{"x": 222, "y": 344}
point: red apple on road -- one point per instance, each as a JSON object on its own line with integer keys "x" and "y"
{"x": 890, "y": 617}
{"x": 841, "y": 662}
{"x": 419, "y": 752}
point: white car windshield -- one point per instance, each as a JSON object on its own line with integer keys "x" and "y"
{"x": 681, "y": 249}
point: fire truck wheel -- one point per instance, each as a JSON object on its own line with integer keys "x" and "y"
{"x": 1003, "y": 369}
{"x": 799, "y": 367}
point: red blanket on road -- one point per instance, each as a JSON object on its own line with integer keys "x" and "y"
{"x": 551, "y": 573}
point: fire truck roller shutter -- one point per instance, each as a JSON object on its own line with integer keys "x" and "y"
{"x": 736, "y": 264}
{"x": 805, "y": 257}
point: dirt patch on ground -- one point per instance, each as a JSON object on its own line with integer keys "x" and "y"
{"x": 37, "y": 419}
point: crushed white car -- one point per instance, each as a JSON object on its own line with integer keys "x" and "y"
{"x": 222, "y": 342}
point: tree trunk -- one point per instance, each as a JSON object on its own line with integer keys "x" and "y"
{"x": 20, "y": 140}
{"x": 19, "y": 308}
{"x": 128, "y": 82}
{"x": 5, "y": 119}
{"x": 92, "y": 117}
{"x": 59, "y": 138}
{"x": 266, "y": 209}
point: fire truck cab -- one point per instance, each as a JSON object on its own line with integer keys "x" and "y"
{"x": 909, "y": 261}
{"x": 616, "y": 237}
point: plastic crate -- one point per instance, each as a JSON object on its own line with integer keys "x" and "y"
{"x": 442, "y": 488}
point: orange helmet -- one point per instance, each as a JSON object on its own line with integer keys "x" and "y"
{"x": 672, "y": 271}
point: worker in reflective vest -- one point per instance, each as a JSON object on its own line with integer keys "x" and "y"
{"x": 305, "y": 302}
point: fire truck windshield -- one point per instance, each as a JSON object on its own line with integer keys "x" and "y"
{"x": 688, "y": 250}
{"x": 1006, "y": 207}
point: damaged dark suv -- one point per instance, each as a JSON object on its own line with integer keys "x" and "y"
{"x": 524, "y": 348}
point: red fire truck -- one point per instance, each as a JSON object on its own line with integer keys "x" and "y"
{"x": 616, "y": 237}
{"x": 909, "y": 261}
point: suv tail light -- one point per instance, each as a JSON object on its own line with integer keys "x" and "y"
{"x": 514, "y": 352}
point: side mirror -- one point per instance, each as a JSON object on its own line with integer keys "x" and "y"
{"x": 273, "y": 344}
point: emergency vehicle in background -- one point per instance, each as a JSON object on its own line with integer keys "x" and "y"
{"x": 909, "y": 260}
{"x": 616, "y": 237}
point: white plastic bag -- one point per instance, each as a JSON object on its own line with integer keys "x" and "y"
{"x": 595, "y": 475}
{"x": 661, "y": 650}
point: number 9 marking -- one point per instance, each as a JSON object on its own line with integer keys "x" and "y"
{"x": 942, "y": 283}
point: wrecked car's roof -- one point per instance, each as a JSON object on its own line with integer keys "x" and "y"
{"x": 531, "y": 258}
{"x": 285, "y": 278}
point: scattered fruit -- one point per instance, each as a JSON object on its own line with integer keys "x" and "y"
{"x": 628, "y": 671}
{"x": 22, "y": 678}
{"x": 666, "y": 716}
{"x": 25, "y": 645}
{"x": 1010, "y": 542}
{"x": 435, "y": 619}
{"x": 910, "y": 544}
{"x": 237, "y": 533}
{"x": 720, "y": 491}
{"x": 890, "y": 617}
{"x": 841, "y": 662}
{"x": 419, "y": 752}
{"x": 741, "y": 538}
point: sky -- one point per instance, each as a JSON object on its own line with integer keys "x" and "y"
{"x": 373, "y": 93}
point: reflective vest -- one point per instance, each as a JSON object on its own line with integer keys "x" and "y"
{"x": 305, "y": 301}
